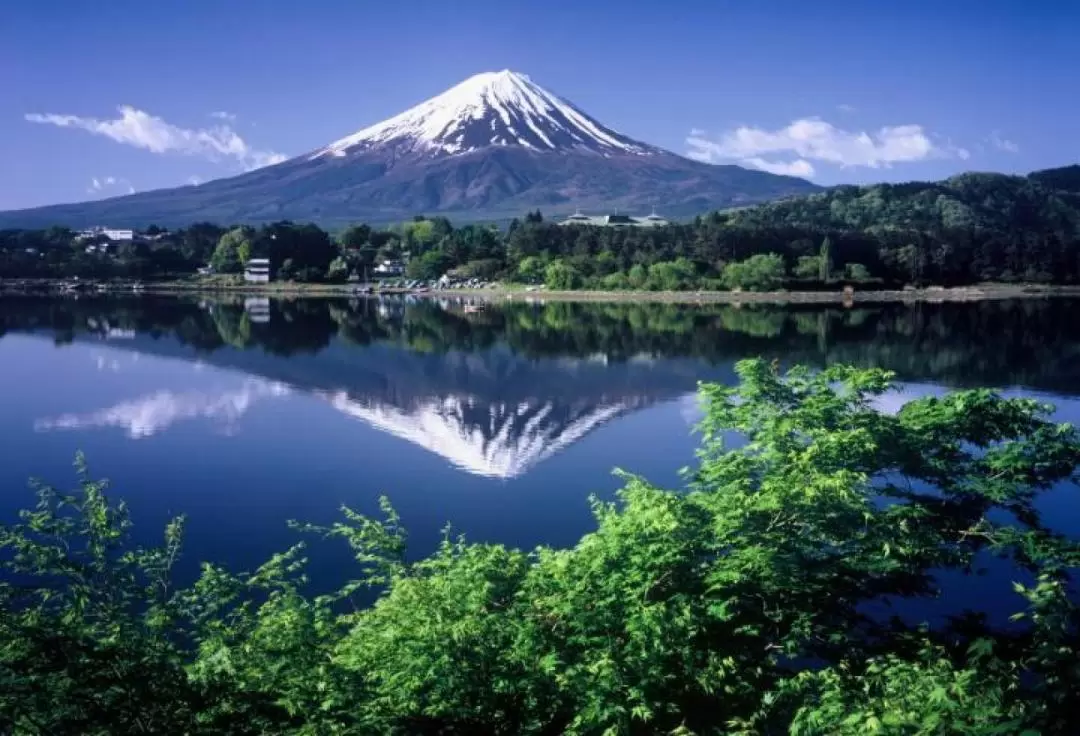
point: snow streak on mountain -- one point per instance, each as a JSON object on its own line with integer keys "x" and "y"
{"x": 491, "y": 109}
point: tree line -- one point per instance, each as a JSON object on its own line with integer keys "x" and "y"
{"x": 968, "y": 229}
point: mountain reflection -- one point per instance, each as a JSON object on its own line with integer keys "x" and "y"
{"x": 497, "y": 440}
{"x": 498, "y": 389}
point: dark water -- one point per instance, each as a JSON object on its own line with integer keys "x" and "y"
{"x": 501, "y": 421}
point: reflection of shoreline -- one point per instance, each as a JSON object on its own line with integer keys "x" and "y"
{"x": 156, "y": 412}
{"x": 498, "y": 440}
{"x": 1028, "y": 342}
{"x": 983, "y": 292}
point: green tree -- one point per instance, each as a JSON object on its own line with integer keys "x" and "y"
{"x": 355, "y": 237}
{"x": 825, "y": 262}
{"x": 232, "y": 251}
{"x": 429, "y": 266}
{"x": 560, "y": 276}
{"x": 531, "y": 270}
{"x": 761, "y": 272}
{"x": 338, "y": 270}
{"x": 307, "y": 246}
{"x": 483, "y": 268}
{"x": 856, "y": 272}
{"x": 808, "y": 267}
{"x": 672, "y": 275}
{"x": 614, "y": 282}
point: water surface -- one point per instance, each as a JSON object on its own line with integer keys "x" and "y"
{"x": 501, "y": 420}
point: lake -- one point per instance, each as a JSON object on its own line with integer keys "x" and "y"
{"x": 500, "y": 420}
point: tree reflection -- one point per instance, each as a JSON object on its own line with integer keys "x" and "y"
{"x": 1026, "y": 342}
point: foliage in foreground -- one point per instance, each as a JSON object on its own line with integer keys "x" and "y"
{"x": 754, "y": 603}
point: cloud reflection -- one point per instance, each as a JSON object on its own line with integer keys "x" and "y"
{"x": 156, "y": 412}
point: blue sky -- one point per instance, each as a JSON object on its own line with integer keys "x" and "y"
{"x": 841, "y": 91}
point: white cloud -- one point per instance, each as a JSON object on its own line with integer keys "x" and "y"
{"x": 798, "y": 167}
{"x": 793, "y": 148}
{"x": 154, "y": 413}
{"x": 845, "y": 108}
{"x": 194, "y": 181}
{"x": 1001, "y": 143}
{"x": 222, "y": 115}
{"x": 110, "y": 185}
{"x": 143, "y": 130}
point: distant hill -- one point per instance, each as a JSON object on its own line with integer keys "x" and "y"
{"x": 492, "y": 147}
{"x": 1064, "y": 179}
{"x": 1042, "y": 202}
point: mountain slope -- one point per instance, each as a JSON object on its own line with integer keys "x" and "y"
{"x": 971, "y": 201}
{"x": 491, "y": 147}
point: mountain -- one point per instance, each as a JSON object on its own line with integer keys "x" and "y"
{"x": 491, "y": 147}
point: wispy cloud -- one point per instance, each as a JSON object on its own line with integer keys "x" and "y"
{"x": 229, "y": 117}
{"x": 845, "y": 108}
{"x": 998, "y": 141}
{"x": 149, "y": 132}
{"x": 194, "y": 181}
{"x": 795, "y": 148}
{"x": 797, "y": 167}
{"x": 110, "y": 185}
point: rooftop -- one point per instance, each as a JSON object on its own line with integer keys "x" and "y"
{"x": 615, "y": 220}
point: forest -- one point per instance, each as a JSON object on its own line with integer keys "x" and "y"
{"x": 774, "y": 594}
{"x": 969, "y": 229}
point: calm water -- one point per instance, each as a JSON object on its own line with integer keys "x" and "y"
{"x": 501, "y": 421}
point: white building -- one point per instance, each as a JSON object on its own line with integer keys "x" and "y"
{"x": 119, "y": 236}
{"x": 653, "y": 220}
{"x": 257, "y": 271}
{"x": 390, "y": 268}
{"x": 116, "y": 236}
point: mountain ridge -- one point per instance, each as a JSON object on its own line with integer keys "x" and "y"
{"x": 491, "y": 147}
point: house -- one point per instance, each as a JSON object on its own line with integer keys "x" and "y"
{"x": 389, "y": 268}
{"x": 257, "y": 271}
{"x": 653, "y": 220}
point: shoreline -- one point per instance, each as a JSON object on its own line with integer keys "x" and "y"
{"x": 980, "y": 292}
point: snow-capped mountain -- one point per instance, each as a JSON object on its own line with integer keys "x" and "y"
{"x": 490, "y": 109}
{"x": 492, "y": 147}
